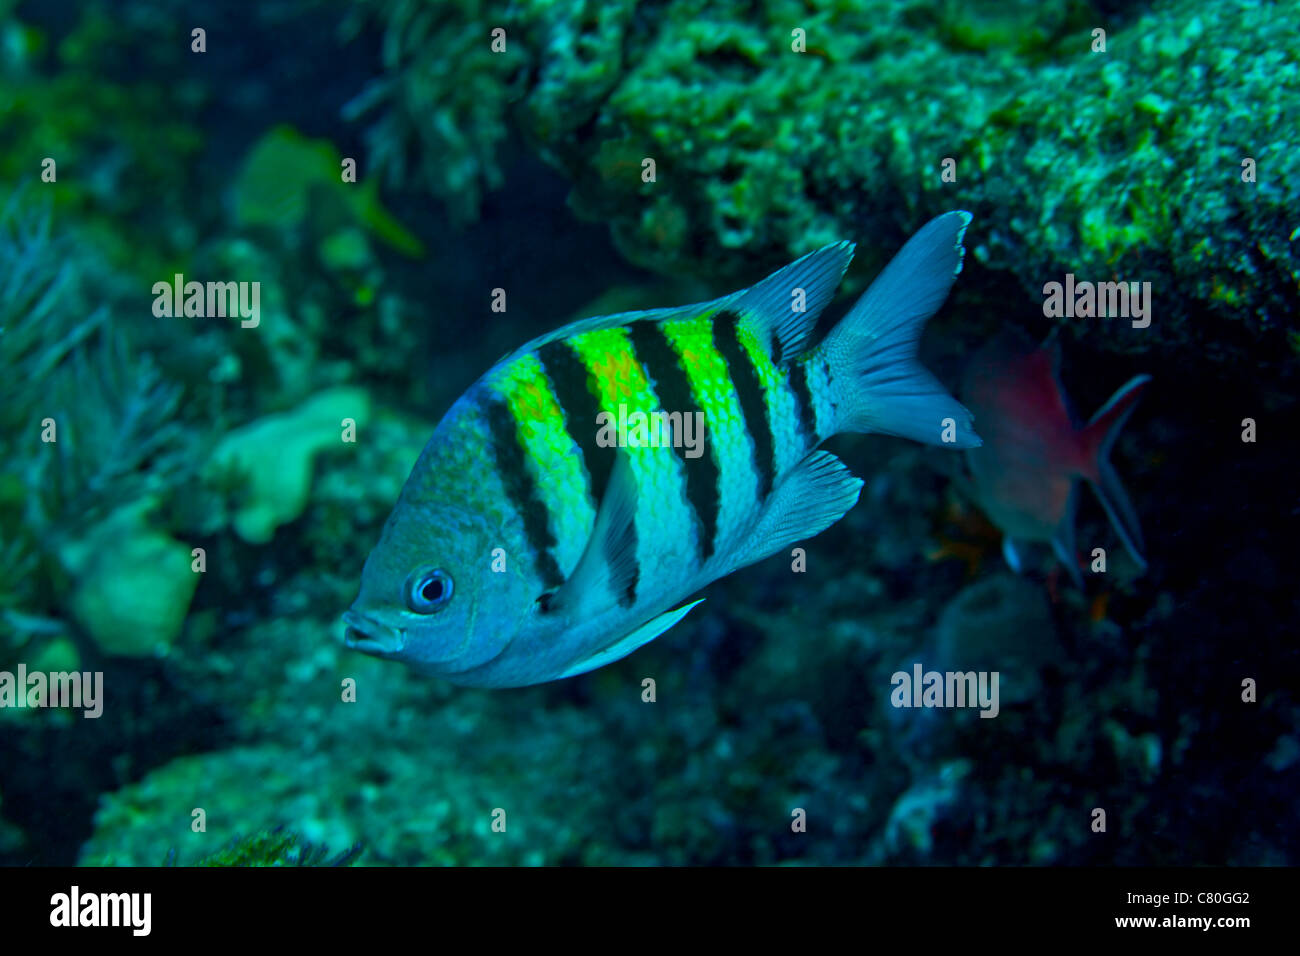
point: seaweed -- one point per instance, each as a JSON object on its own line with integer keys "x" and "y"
{"x": 38, "y": 331}
{"x": 38, "y": 302}
{"x": 121, "y": 439}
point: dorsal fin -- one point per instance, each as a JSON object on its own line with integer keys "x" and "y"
{"x": 781, "y": 310}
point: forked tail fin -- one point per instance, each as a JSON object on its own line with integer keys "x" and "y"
{"x": 875, "y": 380}
{"x": 1098, "y": 437}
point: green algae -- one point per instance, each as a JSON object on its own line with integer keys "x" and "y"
{"x": 1138, "y": 173}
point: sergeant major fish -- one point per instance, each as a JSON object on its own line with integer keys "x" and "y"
{"x": 522, "y": 550}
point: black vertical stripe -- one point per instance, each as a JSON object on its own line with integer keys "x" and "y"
{"x": 512, "y": 465}
{"x": 749, "y": 389}
{"x": 578, "y": 394}
{"x": 803, "y": 401}
{"x": 673, "y": 388}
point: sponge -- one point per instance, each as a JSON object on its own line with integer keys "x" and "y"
{"x": 275, "y": 455}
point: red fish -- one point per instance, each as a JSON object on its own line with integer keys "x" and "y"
{"x": 1026, "y": 475}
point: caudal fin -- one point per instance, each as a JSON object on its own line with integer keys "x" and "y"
{"x": 875, "y": 380}
{"x": 1099, "y": 436}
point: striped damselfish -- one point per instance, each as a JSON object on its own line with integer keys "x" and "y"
{"x": 543, "y": 533}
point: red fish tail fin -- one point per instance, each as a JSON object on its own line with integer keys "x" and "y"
{"x": 1098, "y": 437}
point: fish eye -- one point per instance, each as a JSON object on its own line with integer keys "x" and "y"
{"x": 427, "y": 590}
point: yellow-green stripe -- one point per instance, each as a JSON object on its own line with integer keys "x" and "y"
{"x": 551, "y": 460}
{"x": 728, "y": 442}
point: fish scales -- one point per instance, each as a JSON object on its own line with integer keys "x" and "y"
{"x": 749, "y": 391}
{"x": 556, "y": 443}
{"x": 804, "y": 404}
{"x": 780, "y": 409}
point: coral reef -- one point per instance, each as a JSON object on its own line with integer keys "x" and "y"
{"x": 1140, "y": 174}
{"x": 1125, "y": 164}
{"x": 286, "y": 175}
{"x": 92, "y": 441}
{"x": 124, "y": 147}
{"x": 1001, "y": 623}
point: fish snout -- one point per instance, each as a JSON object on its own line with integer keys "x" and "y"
{"x": 368, "y": 636}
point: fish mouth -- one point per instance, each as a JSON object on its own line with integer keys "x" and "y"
{"x": 370, "y": 637}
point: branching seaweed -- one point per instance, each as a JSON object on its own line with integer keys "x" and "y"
{"x": 86, "y": 424}
{"x": 39, "y": 303}
{"x": 119, "y": 437}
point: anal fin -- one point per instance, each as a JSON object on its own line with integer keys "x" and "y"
{"x": 816, "y": 493}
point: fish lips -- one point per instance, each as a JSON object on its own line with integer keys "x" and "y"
{"x": 370, "y": 637}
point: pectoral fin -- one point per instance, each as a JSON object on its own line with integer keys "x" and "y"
{"x": 608, "y": 569}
